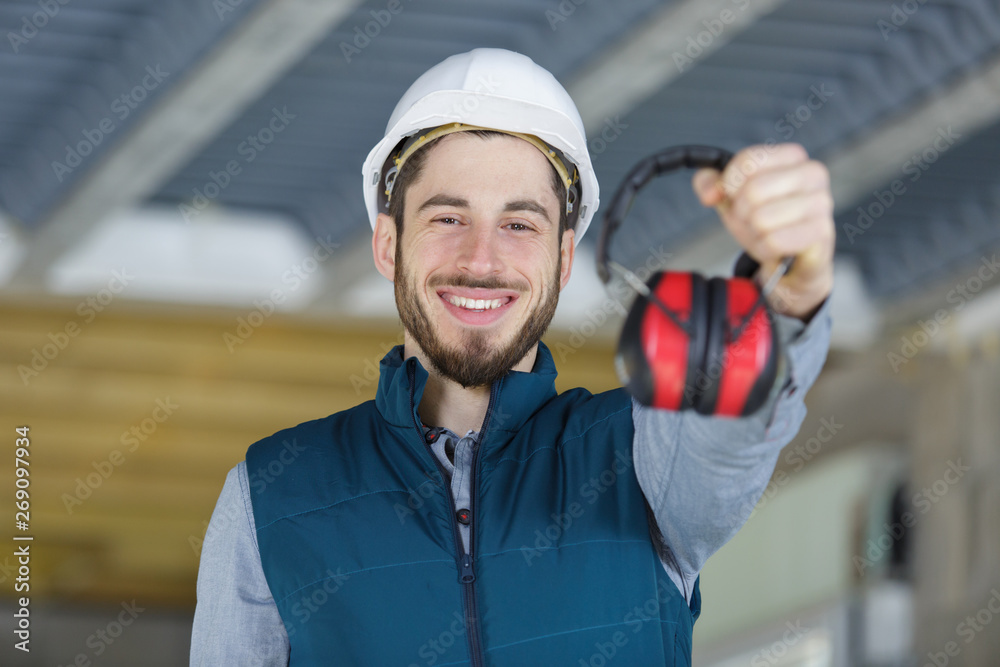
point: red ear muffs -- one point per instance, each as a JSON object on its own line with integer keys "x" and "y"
{"x": 691, "y": 343}
{"x": 719, "y": 367}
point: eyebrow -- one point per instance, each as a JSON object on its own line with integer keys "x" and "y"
{"x": 509, "y": 207}
{"x": 527, "y": 205}
{"x": 443, "y": 200}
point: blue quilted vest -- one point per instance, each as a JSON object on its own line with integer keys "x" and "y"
{"x": 360, "y": 546}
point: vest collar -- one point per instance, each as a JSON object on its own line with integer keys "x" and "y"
{"x": 519, "y": 394}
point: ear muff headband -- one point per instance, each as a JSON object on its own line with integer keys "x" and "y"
{"x": 662, "y": 163}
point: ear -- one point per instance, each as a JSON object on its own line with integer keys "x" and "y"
{"x": 567, "y": 251}
{"x": 384, "y": 246}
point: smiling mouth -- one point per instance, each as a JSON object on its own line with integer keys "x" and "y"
{"x": 476, "y": 305}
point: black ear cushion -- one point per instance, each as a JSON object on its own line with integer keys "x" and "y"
{"x": 633, "y": 368}
{"x": 696, "y": 341}
{"x": 713, "y": 366}
{"x": 765, "y": 381}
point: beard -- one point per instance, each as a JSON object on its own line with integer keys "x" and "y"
{"x": 478, "y": 360}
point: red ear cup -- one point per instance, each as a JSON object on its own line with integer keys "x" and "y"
{"x": 750, "y": 367}
{"x": 655, "y": 355}
{"x": 631, "y": 363}
{"x": 724, "y": 361}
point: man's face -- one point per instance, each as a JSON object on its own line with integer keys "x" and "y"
{"x": 479, "y": 266}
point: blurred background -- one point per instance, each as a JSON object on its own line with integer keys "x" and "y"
{"x": 185, "y": 268}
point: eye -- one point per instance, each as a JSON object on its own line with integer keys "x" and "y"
{"x": 447, "y": 220}
{"x": 518, "y": 227}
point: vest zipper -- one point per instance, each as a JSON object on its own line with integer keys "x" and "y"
{"x": 475, "y": 640}
{"x": 466, "y": 570}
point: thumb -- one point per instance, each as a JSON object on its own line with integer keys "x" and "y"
{"x": 707, "y": 184}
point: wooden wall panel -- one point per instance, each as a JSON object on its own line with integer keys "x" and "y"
{"x": 137, "y": 534}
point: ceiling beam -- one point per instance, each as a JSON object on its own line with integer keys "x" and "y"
{"x": 968, "y": 105}
{"x": 644, "y": 61}
{"x": 272, "y": 39}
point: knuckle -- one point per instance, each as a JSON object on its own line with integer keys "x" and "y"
{"x": 826, "y": 203}
{"x": 757, "y": 221}
{"x": 738, "y": 211}
{"x": 795, "y": 150}
{"x": 753, "y": 192}
{"x": 772, "y": 246}
{"x": 762, "y": 240}
{"x": 820, "y": 172}
{"x": 829, "y": 234}
{"x": 763, "y": 251}
{"x": 742, "y": 156}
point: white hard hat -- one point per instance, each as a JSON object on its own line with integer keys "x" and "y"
{"x": 493, "y": 89}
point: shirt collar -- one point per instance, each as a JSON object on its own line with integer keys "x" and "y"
{"x": 520, "y": 394}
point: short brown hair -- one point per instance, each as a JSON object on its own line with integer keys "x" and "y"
{"x": 414, "y": 166}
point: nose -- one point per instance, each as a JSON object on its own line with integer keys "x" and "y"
{"x": 478, "y": 251}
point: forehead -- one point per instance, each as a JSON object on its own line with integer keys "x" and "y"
{"x": 502, "y": 160}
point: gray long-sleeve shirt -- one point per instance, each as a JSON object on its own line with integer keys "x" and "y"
{"x": 702, "y": 477}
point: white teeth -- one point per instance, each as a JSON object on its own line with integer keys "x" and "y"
{"x": 474, "y": 304}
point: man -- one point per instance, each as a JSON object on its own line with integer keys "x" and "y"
{"x": 469, "y": 515}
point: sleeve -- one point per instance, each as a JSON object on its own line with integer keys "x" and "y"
{"x": 236, "y": 621}
{"x": 702, "y": 476}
